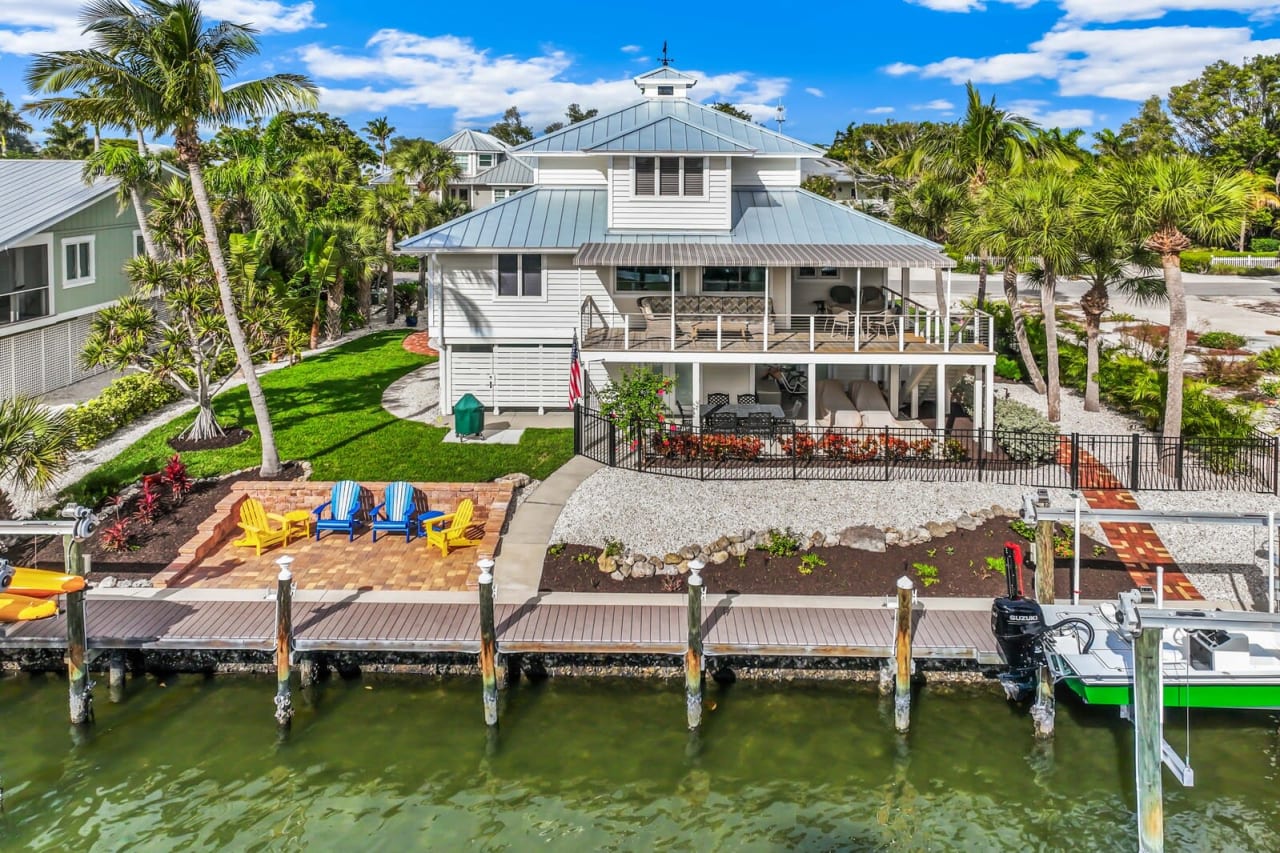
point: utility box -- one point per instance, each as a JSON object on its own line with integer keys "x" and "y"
{"x": 468, "y": 416}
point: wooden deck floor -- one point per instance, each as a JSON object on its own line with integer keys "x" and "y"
{"x": 782, "y": 341}
{"x": 563, "y": 628}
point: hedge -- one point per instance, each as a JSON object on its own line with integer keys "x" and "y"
{"x": 121, "y": 403}
{"x": 1023, "y": 433}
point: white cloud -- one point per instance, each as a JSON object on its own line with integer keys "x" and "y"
{"x": 967, "y": 5}
{"x": 1039, "y": 112}
{"x": 1129, "y": 64}
{"x": 940, "y": 105}
{"x": 1111, "y": 11}
{"x": 817, "y": 93}
{"x": 27, "y": 27}
{"x": 880, "y": 111}
{"x": 631, "y": 48}
{"x": 401, "y": 69}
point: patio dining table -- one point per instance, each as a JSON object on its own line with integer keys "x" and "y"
{"x": 741, "y": 410}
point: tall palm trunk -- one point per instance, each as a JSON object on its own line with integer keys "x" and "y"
{"x": 422, "y": 283}
{"x": 982, "y": 279}
{"x": 333, "y": 307}
{"x": 148, "y": 238}
{"x": 391, "y": 276}
{"x": 258, "y": 400}
{"x": 364, "y": 297}
{"x": 1093, "y": 304}
{"x": 1020, "y": 327}
{"x": 1177, "y": 296}
{"x": 1049, "y": 308}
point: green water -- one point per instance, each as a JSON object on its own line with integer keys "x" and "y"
{"x": 404, "y": 764}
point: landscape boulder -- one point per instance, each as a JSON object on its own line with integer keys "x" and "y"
{"x": 863, "y": 538}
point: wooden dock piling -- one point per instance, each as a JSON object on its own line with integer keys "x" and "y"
{"x": 284, "y": 641}
{"x": 1044, "y": 709}
{"x": 693, "y": 654}
{"x": 1044, "y": 562}
{"x": 488, "y": 645}
{"x": 116, "y": 671}
{"x": 1148, "y": 738}
{"x": 80, "y": 689}
{"x": 902, "y": 656}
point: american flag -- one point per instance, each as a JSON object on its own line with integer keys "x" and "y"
{"x": 575, "y": 374}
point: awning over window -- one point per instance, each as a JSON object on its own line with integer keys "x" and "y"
{"x": 758, "y": 255}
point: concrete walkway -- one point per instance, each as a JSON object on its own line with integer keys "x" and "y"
{"x": 518, "y": 568}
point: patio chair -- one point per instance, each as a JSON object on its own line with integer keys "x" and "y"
{"x": 259, "y": 533}
{"x": 397, "y": 513}
{"x": 344, "y": 510}
{"x": 749, "y": 399}
{"x": 450, "y": 531}
{"x": 841, "y": 296}
{"x": 844, "y": 320}
{"x": 716, "y": 398}
{"x": 723, "y": 422}
{"x": 759, "y": 424}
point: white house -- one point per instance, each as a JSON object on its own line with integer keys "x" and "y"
{"x": 487, "y": 172}
{"x": 668, "y": 204}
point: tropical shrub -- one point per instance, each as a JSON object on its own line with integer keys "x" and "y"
{"x": 1230, "y": 372}
{"x": 782, "y": 544}
{"x": 1270, "y": 388}
{"x": 1221, "y": 340}
{"x": 1269, "y": 360}
{"x": 119, "y": 404}
{"x": 1196, "y": 260}
{"x": 635, "y": 398}
{"x": 1023, "y": 433}
{"x": 1264, "y": 244}
{"x": 1008, "y": 367}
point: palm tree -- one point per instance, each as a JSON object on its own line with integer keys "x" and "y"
{"x": 392, "y": 209}
{"x": 929, "y": 208}
{"x": 66, "y": 141}
{"x": 1162, "y": 202}
{"x": 35, "y": 443}
{"x": 157, "y": 66}
{"x": 1263, "y": 193}
{"x": 136, "y": 174}
{"x": 380, "y": 130}
{"x": 11, "y": 121}
{"x": 428, "y": 165}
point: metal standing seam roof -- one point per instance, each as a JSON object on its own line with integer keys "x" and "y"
{"x": 473, "y": 140}
{"x": 35, "y": 194}
{"x": 664, "y": 73}
{"x": 584, "y": 135}
{"x": 786, "y": 227}
{"x": 670, "y": 134}
{"x": 510, "y": 172}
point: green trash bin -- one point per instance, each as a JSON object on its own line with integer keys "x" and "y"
{"x": 468, "y": 416}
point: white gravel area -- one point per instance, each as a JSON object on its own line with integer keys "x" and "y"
{"x": 1226, "y": 563}
{"x": 416, "y": 396}
{"x": 1074, "y": 417}
{"x": 651, "y": 513}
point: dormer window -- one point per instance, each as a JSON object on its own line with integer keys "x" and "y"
{"x": 669, "y": 176}
{"x": 484, "y": 161}
{"x": 666, "y": 90}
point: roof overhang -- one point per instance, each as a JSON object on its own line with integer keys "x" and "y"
{"x": 759, "y": 254}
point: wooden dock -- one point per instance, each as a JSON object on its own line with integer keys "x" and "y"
{"x": 577, "y": 628}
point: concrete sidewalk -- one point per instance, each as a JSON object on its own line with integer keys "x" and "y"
{"x": 518, "y": 566}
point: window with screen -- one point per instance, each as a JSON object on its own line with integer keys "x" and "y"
{"x": 520, "y": 275}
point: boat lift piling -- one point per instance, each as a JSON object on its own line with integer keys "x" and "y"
{"x": 284, "y": 641}
{"x": 488, "y": 645}
{"x": 693, "y": 656}
{"x": 902, "y": 656}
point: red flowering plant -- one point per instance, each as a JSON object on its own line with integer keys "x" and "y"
{"x": 803, "y": 446}
{"x": 849, "y": 448}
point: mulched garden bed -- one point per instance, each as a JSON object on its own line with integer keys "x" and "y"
{"x": 156, "y": 545}
{"x": 960, "y": 559}
{"x": 229, "y": 438}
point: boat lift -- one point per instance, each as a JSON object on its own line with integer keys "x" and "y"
{"x": 1035, "y": 508}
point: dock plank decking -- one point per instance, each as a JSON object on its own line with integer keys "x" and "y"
{"x": 640, "y": 628}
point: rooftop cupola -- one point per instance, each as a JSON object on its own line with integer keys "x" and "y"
{"x": 665, "y": 82}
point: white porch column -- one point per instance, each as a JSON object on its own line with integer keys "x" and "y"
{"x": 915, "y": 401}
{"x": 946, "y": 318}
{"x": 895, "y": 389}
{"x": 942, "y": 403}
{"x": 672, "y": 273}
{"x": 811, "y": 379}
{"x": 446, "y": 389}
{"x": 979, "y": 401}
{"x": 697, "y": 392}
{"x": 989, "y": 410}
{"x": 906, "y": 287}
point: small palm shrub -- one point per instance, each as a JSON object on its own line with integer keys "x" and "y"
{"x": 1269, "y": 360}
{"x": 1221, "y": 340}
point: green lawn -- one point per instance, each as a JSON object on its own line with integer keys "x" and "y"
{"x": 328, "y": 410}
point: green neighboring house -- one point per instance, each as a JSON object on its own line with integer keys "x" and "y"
{"x": 63, "y": 246}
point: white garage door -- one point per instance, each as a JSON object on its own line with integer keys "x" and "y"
{"x": 512, "y": 376}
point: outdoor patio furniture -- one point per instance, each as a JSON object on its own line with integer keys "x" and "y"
{"x": 259, "y": 532}
{"x": 741, "y": 410}
{"x": 397, "y": 512}
{"x": 450, "y": 531}
{"x": 721, "y": 422}
{"x": 717, "y": 399}
{"x": 879, "y": 325}
{"x": 758, "y": 424}
{"x": 344, "y": 510}
{"x": 299, "y": 523}
{"x": 710, "y": 328}
{"x": 747, "y": 398}
{"x": 842, "y": 322}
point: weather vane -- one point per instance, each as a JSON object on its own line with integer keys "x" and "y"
{"x": 666, "y": 60}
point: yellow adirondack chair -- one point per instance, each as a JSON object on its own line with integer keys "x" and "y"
{"x": 258, "y": 531}
{"x": 450, "y": 531}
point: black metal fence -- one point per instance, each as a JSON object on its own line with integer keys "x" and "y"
{"x": 781, "y": 450}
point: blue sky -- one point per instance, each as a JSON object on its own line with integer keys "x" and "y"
{"x": 436, "y": 67}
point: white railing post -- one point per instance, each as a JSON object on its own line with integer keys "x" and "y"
{"x": 626, "y": 331}
{"x": 766, "y": 324}
{"x": 812, "y": 326}
{"x": 719, "y": 332}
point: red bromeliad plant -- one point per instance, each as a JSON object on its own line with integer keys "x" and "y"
{"x": 175, "y": 476}
{"x": 117, "y": 537}
{"x": 150, "y": 504}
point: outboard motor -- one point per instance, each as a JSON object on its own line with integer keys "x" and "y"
{"x": 1017, "y": 624}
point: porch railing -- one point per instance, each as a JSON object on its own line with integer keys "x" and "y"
{"x": 917, "y": 328}
{"x": 785, "y": 450}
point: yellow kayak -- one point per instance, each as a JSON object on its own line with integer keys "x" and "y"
{"x": 21, "y": 608}
{"x": 39, "y": 583}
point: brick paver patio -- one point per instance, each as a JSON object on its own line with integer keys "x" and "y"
{"x": 209, "y": 560}
{"x": 419, "y": 343}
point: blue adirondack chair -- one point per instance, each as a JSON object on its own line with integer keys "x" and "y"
{"x": 344, "y": 510}
{"x": 397, "y": 511}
